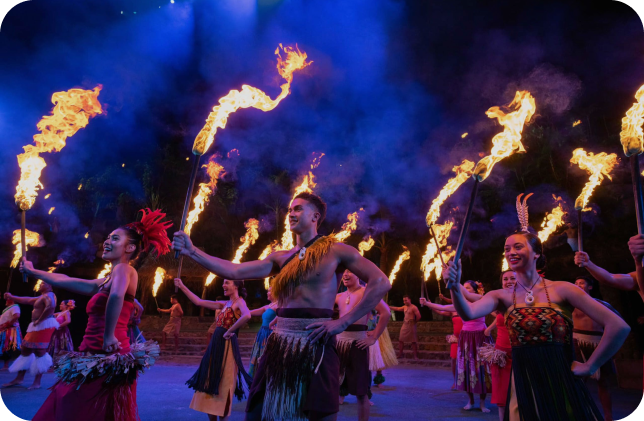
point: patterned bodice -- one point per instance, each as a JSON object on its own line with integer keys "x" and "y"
{"x": 537, "y": 326}
{"x": 227, "y": 317}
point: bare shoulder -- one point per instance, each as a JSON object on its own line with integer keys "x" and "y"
{"x": 344, "y": 251}
{"x": 124, "y": 269}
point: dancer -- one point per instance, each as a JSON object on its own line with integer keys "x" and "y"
{"x": 213, "y": 326}
{"x": 268, "y": 314}
{"x": 61, "y": 340}
{"x": 408, "y": 329}
{"x": 10, "y": 335}
{"x": 538, "y": 316}
{"x": 107, "y": 390}
{"x": 297, "y": 377}
{"x": 473, "y": 376}
{"x": 353, "y": 345}
{"x": 499, "y": 356}
{"x": 586, "y": 335}
{"x": 133, "y": 331}
{"x": 381, "y": 354}
{"x": 625, "y": 282}
{"x": 221, "y": 373}
{"x": 33, "y": 354}
{"x": 457, "y": 326}
{"x": 173, "y": 327}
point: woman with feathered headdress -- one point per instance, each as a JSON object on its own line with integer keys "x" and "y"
{"x": 108, "y": 390}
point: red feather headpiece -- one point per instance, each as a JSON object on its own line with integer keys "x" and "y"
{"x": 153, "y": 231}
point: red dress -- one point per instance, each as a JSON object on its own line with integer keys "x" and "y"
{"x": 94, "y": 400}
{"x": 501, "y": 375}
{"x": 457, "y": 323}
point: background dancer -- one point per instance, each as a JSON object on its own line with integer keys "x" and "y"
{"x": 33, "y": 353}
{"x": 173, "y": 327}
{"x": 10, "y": 335}
{"x": 268, "y": 315}
{"x": 457, "y": 325}
{"x": 133, "y": 331}
{"x": 61, "y": 339}
{"x": 221, "y": 373}
{"x": 108, "y": 390}
{"x": 538, "y": 314}
{"x": 303, "y": 383}
{"x": 408, "y": 330}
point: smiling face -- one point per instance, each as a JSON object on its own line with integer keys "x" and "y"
{"x": 302, "y": 216}
{"x": 62, "y": 306}
{"x": 584, "y": 285}
{"x": 349, "y": 279}
{"x": 519, "y": 253}
{"x": 117, "y": 245}
{"x": 229, "y": 288}
{"x": 508, "y": 280}
{"x": 45, "y": 288}
{"x": 406, "y": 301}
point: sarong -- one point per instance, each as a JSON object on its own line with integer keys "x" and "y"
{"x": 585, "y": 344}
{"x": 473, "y": 374}
{"x": 295, "y": 377}
{"x": 10, "y": 342}
{"x": 408, "y": 332}
{"x": 173, "y": 326}
{"x": 61, "y": 341}
{"x": 38, "y": 337}
{"x": 355, "y": 377}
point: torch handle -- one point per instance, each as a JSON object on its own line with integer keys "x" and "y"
{"x": 176, "y": 288}
{"x": 580, "y": 232}
{"x": 466, "y": 222}
{"x": 186, "y": 206}
{"x": 23, "y": 239}
{"x": 637, "y": 192}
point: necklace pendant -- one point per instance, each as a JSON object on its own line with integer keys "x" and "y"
{"x": 302, "y": 253}
{"x": 529, "y": 298}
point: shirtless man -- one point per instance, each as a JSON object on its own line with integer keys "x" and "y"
{"x": 33, "y": 355}
{"x": 305, "y": 284}
{"x": 353, "y": 345}
{"x": 408, "y": 329}
{"x": 173, "y": 327}
{"x": 586, "y": 336}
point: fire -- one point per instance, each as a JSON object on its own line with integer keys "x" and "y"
{"x": 366, "y": 245}
{"x": 508, "y": 141}
{"x": 597, "y": 166}
{"x": 51, "y": 269}
{"x": 47, "y": 195}
{"x": 505, "y": 265}
{"x": 215, "y": 171}
{"x": 273, "y": 246}
{"x": 51, "y": 210}
{"x": 249, "y": 97}
{"x": 252, "y": 233}
{"x": 72, "y": 110}
{"x": 552, "y": 221}
{"x": 306, "y": 185}
{"x": 464, "y": 135}
{"x": 80, "y": 186}
{"x": 431, "y": 253}
{"x": 106, "y": 271}
{"x": 159, "y": 274}
{"x": 32, "y": 239}
{"x": 267, "y": 283}
{"x": 87, "y": 234}
{"x": 576, "y": 123}
{"x": 348, "y": 227}
{"x": 437, "y": 265}
{"x": 211, "y": 277}
{"x": 404, "y": 256}
{"x": 631, "y": 135}
{"x": 463, "y": 172}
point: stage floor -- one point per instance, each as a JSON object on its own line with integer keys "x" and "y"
{"x": 409, "y": 393}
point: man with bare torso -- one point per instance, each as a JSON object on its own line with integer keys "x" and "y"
{"x": 353, "y": 344}
{"x": 298, "y": 375}
{"x": 173, "y": 327}
{"x": 408, "y": 329}
{"x": 34, "y": 356}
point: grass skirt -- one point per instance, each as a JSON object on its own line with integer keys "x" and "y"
{"x": 387, "y": 350}
{"x": 10, "y": 341}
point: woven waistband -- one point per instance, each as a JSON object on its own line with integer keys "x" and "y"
{"x": 295, "y": 327}
{"x": 348, "y": 336}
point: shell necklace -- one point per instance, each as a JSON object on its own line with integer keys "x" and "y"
{"x": 349, "y": 294}
{"x": 529, "y": 295}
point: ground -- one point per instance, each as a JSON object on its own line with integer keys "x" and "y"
{"x": 409, "y": 393}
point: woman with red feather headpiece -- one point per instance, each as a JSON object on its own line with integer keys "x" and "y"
{"x": 108, "y": 390}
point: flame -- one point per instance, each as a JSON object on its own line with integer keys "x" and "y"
{"x": 508, "y": 141}
{"x": 436, "y": 265}
{"x": 215, "y": 171}
{"x": 597, "y": 166}
{"x": 123, "y": 165}
{"x": 431, "y": 253}
{"x": 463, "y": 172}
{"x": 80, "y": 186}
{"x": 505, "y": 266}
{"x": 273, "y": 246}
{"x": 86, "y": 234}
{"x": 47, "y": 195}
{"x": 72, "y": 110}
{"x": 106, "y": 271}
{"x": 464, "y": 135}
{"x": 576, "y": 123}
{"x": 267, "y": 283}
{"x": 404, "y": 256}
{"x": 211, "y": 277}
{"x": 51, "y": 269}
{"x": 249, "y": 97}
{"x": 551, "y": 222}
{"x": 631, "y": 135}
{"x": 307, "y": 185}
{"x": 32, "y": 239}
{"x": 366, "y": 245}
{"x": 159, "y": 274}
{"x": 252, "y": 233}
{"x": 51, "y": 210}
{"x": 348, "y": 227}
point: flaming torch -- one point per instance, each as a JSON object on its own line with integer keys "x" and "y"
{"x": 51, "y": 269}
{"x": 252, "y": 233}
{"x": 366, "y": 245}
{"x": 597, "y": 166}
{"x": 463, "y": 172}
{"x": 404, "y": 256}
{"x": 633, "y": 143}
{"x": 234, "y": 100}
{"x": 440, "y": 235}
{"x": 275, "y": 245}
{"x": 106, "y": 271}
{"x": 505, "y": 144}
{"x": 348, "y": 227}
{"x": 72, "y": 110}
{"x": 22, "y": 240}
{"x": 159, "y": 274}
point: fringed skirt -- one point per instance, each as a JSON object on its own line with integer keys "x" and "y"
{"x": 543, "y": 387}
{"x": 258, "y": 348}
{"x": 387, "y": 350}
{"x": 473, "y": 373}
{"x": 61, "y": 341}
{"x": 219, "y": 376}
{"x": 10, "y": 341}
{"x": 134, "y": 333}
{"x": 500, "y": 360}
{"x": 376, "y": 363}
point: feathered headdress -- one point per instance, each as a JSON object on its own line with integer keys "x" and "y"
{"x": 71, "y": 303}
{"x": 153, "y": 231}
{"x": 522, "y": 212}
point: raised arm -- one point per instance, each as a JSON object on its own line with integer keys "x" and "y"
{"x": 377, "y": 286}
{"x": 615, "y": 328}
{"x": 438, "y": 308}
{"x": 122, "y": 275}
{"x": 619, "y": 281}
{"x": 468, "y": 311}
{"x": 164, "y": 310}
{"x": 636, "y": 245}
{"x": 394, "y": 308}
{"x": 259, "y": 311}
{"x": 243, "y": 319}
{"x": 58, "y": 280}
{"x": 213, "y": 305}
{"x": 21, "y": 300}
{"x": 256, "y": 269}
